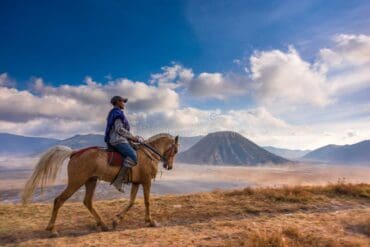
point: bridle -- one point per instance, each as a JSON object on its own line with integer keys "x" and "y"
{"x": 170, "y": 152}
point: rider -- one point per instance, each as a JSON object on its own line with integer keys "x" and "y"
{"x": 117, "y": 134}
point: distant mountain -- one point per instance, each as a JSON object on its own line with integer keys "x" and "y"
{"x": 23, "y": 145}
{"x": 227, "y": 148}
{"x": 287, "y": 153}
{"x": 355, "y": 153}
{"x": 82, "y": 141}
{"x": 187, "y": 142}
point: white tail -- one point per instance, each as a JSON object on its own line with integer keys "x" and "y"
{"x": 46, "y": 170}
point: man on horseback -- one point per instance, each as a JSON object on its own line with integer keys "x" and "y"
{"x": 117, "y": 135}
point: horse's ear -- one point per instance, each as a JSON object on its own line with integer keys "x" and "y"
{"x": 176, "y": 139}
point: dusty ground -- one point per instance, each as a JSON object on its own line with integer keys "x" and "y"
{"x": 333, "y": 215}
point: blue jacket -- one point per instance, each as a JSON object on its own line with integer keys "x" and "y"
{"x": 115, "y": 113}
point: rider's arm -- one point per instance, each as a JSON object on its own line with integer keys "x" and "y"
{"x": 118, "y": 127}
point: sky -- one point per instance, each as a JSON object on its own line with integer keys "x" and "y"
{"x": 282, "y": 73}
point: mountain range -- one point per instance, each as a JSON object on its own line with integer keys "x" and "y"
{"x": 346, "y": 154}
{"x": 11, "y": 144}
{"x": 24, "y": 145}
{"x": 287, "y": 153}
{"x": 227, "y": 148}
{"x": 81, "y": 141}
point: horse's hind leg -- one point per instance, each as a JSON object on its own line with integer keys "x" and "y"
{"x": 119, "y": 217}
{"x": 90, "y": 186}
{"x": 58, "y": 202}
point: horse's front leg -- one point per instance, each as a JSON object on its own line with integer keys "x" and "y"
{"x": 119, "y": 217}
{"x": 148, "y": 218}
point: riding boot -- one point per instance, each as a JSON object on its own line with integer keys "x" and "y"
{"x": 123, "y": 174}
{"x": 118, "y": 182}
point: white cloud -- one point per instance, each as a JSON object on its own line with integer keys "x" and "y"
{"x": 347, "y": 63}
{"x": 172, "y": 76}
{"x": 351, "y": 133}
{"x": 22, "y": 105}
{"x": 52, "y": 127}
{"x": 5, "y": 80}
{"x": 205, "y": 85}
{"x": 285, "y": 78}
{"x": 257, "y": 124}
{"x": 70, "y": 109}
{"x": 280, "y": 81}
{"x": 349, "y": 81}
{"x": 217, "y": 85}
{"x": 349, "y": 50}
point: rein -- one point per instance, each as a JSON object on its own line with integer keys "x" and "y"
{"x": 150, "y": 155}
{"x": 162, "y": 158}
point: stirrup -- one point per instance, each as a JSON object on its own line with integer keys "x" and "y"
{"x": 118, "y": 184}
{"x": 121, "y": 189}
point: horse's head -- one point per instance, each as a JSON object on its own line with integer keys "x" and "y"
{"x": 170, "y": 152}
{"x": 167, "y": 146}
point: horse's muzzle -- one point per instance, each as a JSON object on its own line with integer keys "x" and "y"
{"x": 166, "y": 166}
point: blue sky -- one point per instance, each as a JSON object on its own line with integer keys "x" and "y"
{"x": 211, "y": 58}
{"x": 63, "y": 41}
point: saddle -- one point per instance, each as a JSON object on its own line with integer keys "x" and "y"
{"x": 114, "y": 158}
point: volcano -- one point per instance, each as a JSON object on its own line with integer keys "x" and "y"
{"x": 227, "y": 148}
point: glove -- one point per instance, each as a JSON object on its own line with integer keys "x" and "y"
{"x": 139, "y": 139}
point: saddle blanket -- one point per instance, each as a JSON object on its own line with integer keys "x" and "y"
{"x": 113, "y": 159}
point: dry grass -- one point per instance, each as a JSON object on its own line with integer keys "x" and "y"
{"x": 289, "y": 236}
{"x": 333, "y": 215}
{"x": 262, "y": 239}
{"x": 353, "y": 190}
{"x": 292, "y": 232}
{"x": 362, "y": 226}
{"x": 365, "y": 227}
{"x": 304, "y": 194}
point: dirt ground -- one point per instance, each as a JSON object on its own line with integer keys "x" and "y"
{"x": 331, "y": 215}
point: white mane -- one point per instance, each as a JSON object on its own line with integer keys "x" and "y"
{"x": 157, "y": 136}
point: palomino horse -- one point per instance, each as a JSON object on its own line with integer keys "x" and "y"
{"x": 91, "y": 165}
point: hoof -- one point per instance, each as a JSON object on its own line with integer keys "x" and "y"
{"x": 104, "y": 228}
{"x": 49, "y": 228}
{"x": 54, "y": 234}
{"x": 114, "y": 224}
{"x": 152, "y": 223}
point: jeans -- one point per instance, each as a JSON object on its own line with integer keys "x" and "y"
{"x": 127, "y": 151}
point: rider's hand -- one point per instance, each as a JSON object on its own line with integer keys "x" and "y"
{"x": 140, "y": 139}
{"x": 134, "y": 139}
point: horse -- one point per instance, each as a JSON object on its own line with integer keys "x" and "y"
{"x": 91, "y": 165}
